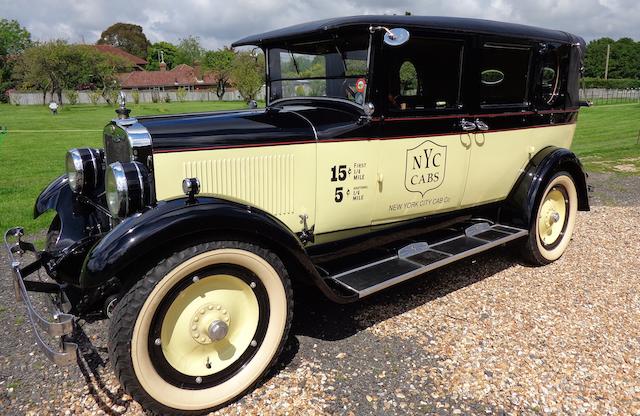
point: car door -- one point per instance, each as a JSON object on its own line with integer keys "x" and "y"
{"x": 507, "y": 135}
{"x": 424, "y": 153}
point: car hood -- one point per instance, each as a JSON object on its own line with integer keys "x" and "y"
{"x": 285, "y": 124}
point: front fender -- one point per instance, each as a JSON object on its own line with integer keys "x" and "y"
{"x": 159, "y": 229}
{"x": 74, "y": 218}
{"x": 48, "y": 198}
{"x": 526, "y": 193}
{"x": 72, "y": 227}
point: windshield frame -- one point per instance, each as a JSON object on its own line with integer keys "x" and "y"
{"x": 268, "y": 80}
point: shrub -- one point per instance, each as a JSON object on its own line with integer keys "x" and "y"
{"x": 181, "y": 94}
{"x": 72, "y": 96}
{"x": 155, "y": 97}
{"x": 94, "y": 97}
{"x": 135, "y": 94}
{"x": 111, "y": 96}
{"x": 166, "y": 98}
{"x": 622, "y": 83}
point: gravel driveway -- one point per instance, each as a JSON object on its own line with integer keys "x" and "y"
{"x": 486, "y": 335}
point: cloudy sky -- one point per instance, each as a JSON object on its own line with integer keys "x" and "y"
{"x": 220, "y": 22}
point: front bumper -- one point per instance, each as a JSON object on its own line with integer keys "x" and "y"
{"x": 61, "y": 324}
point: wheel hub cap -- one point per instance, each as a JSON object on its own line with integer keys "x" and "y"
{"x": 209, "y": 323}
{"x": 218, "y": 330}
{"x": 551, "y": 216}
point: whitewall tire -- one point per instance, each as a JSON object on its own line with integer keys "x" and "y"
{"x": 553, "y": 220}
{"x": 202, "y": 327}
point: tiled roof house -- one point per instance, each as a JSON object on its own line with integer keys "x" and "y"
{"x": 137, "y": 63}
{"x": 181, "y": 76}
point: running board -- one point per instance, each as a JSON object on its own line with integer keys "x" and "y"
{"x": 418, "y": 258}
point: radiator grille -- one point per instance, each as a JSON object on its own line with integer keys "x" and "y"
{"x": 117, "y": 150}
{"x": 264, "y": 181}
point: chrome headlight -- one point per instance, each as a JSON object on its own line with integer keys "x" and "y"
{"x": 84, "y": 169}
{"x": 127, "y": 188}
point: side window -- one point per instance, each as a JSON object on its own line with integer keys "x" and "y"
{"x": 552, "y": 76}
{"x": 424, "y": 74}
{"x": 504, "y": 75}
{"x": 408, "y": 79}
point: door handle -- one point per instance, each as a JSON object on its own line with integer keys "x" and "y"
{"x": 467, "y": 125}
{"x": 481, "y": 125}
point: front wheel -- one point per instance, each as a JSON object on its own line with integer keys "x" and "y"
{"x": 202, "y": 327}
{"x": 553, "y": 221}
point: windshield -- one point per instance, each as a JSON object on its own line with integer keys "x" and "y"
{"x": 333, "y": 68}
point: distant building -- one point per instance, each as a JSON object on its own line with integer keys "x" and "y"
{"x": 137, "y": 63}
{"x": 183, "y": 75}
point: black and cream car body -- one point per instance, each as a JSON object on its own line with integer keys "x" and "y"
{"x": 389, "y": 146}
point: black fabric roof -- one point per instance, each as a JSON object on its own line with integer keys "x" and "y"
{"x": 458, "y": 24}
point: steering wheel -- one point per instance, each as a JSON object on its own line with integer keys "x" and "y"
{"x": 349, "y": 91}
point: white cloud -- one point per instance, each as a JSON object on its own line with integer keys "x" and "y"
{"x": 219, "y": 23}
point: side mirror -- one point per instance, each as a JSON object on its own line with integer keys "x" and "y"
{"x": 396, "y": 36}
{"x": 368, "y": 108}
{"x": 253, "y": 104}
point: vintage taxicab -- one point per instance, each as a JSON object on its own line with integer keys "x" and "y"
{"x": 389, "y": 146}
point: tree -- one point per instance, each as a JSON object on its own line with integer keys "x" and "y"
{"x": 248, "y": 73}
{"x": 126, "y": 36}
{"x": 40, "y": 67}
{"x": 596, "y": 56}
{"x": 624, "y": 58}
{"x": 57, "y": 66}
{"x": 102, "y": 69}
{"x": 408, "y": 78}
{"x": 169, "y": 51}
{"x": 221, "y": 63}
{"x": 13, "y": 40}
{"x": 31, "y": 70}
{"x": 189, "y": 51}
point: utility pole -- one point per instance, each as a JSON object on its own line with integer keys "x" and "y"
{"x": 606, "y": 65}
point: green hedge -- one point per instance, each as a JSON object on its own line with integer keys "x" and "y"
{"x": 612, "y": 83}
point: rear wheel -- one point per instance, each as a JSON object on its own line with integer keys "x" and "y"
{"x": 202, "y": 327}
{"x": 552, "y": 226}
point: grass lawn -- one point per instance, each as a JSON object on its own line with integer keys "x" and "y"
{"x": 32, "y": 152}
{"x": 607, "y": 138}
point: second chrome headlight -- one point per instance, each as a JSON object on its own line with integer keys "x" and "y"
{"x": 127, "y": 188}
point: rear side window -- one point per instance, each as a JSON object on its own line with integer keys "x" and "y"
{"x": 504, "y": 75}
{"x": 552, "y": 78}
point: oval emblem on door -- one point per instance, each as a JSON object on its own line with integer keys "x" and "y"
{"x": 492, "y": 77}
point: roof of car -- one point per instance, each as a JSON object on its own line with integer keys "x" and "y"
{"x": 456, "y": 24}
